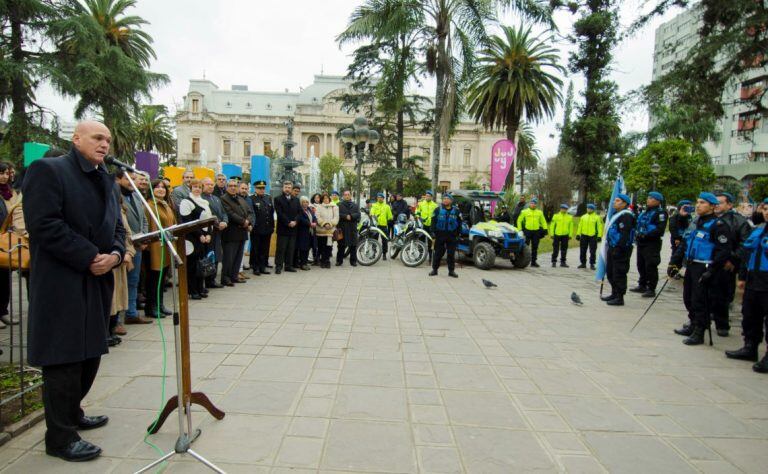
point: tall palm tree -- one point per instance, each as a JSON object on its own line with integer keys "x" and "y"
{"x": 124, "y": 31}
{"x": 152, "y": 130}
{"x": 516, "y": 80}
{"x": 528, "y": 153}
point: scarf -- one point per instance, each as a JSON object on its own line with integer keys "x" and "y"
{"x": 6, "y": 191}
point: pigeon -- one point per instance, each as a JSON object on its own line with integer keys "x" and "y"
{"x": 489, "y": 284}
{"x": 575, "y": 299}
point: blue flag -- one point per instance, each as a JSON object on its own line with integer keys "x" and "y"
{"x": 618, "y": 188}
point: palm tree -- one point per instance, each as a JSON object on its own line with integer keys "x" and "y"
{"x": 515, "y": 80}
{"x": 528, "y": 153}
{"x": 152, "y": 130}
{"x": 122, "y": 31}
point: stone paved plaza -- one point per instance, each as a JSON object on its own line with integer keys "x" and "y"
{"x": 382, "y": 369}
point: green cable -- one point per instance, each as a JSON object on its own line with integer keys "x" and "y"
{"x": 162, "y": 333}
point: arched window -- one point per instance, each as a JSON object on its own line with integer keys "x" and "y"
{"x": 313, "y": 146}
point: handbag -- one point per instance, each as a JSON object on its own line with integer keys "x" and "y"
{"x": 11, "y": 261}
{"x": 206, "y": 266}
{"x": 338, "y": 234}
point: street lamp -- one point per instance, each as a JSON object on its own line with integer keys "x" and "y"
{"x": 358, "y": 136}
{"x": 655, "y": 168}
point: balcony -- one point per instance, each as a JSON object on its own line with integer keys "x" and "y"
{"x": 741, "y": 170}
{"x": 748, "y": 93}
{"x": 748, "y": 125}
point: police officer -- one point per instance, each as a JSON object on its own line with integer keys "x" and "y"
{"x": 704, "y": 252}
{"x": 589, "y": 232}
{"x": 679, "y": 222}
{"x": 425, "y": 209}
{"x": 620, "y": 235}
{"x": 533, "y": 224}
{"x": 725, "y": 287}
{"x": 446, "y": 225}
{"x": 263, "y": 227}
{"x": 650, "y": 229}
{"x": 561, "y": 230}
{"x": 382, "y": 214}
{"x": 753, "y": 279}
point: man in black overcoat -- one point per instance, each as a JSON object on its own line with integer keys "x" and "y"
{"x": 349, "y": 217}
{"x": 287, "y": 208}
{"x": 234, "y": 236}
{"x": 76, "y": 238}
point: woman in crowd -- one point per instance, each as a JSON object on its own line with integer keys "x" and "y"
{"x": 159, "y": 256}
{"x": 11, "y": 217}
{"x": 327, "y": 215}
{"x": 315, "y": 200}
{"x": 191, "y": 209}
{"x": 115, "y": 327}
{"x": 306, "y": 230}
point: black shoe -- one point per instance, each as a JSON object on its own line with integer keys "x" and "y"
{"x": 649, "y": 293}
{"x": 583, "y": 265}
{"x": 278, "y": 271}
{"x": 762, "y": 366}
{"x": 535, "y": 265}
{"x": 270, "y": 266}
{"x": 92, "y": 422}
{"x": 591, "y": 267}
{"x": 305, "y": 267}
{"x": 384, "y": 256}
{"x": 338, "y": 264}
{"x": 608, "y": 298}
{"x": 76, "y": 451}
{"x": 686, "y": 330}
{"x": 453, "y": 275}
{"x": 554, "y": 264}
{"x": 696, "y": 338}
{"x": 214, "y": 286}
{"x": 195, "y": 297}
{"x": 638, "y": 289}
{"x": 264, "y": 271}
{"x": 290, "y": 270}
{"x": 256, "y": 272}
{"x": 112, "y": 341}
{"x": 354, "y": 264}
{"x": 433, "y": 273}
{"x": 748, "y": 352}
{"x": 618, "y": 301}
{"x": 723, "y": 332}
{"x": 564, "y": 265}
{"x": 203, "y": 295}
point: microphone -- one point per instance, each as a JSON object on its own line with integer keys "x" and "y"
{"x": 111, "y": 160}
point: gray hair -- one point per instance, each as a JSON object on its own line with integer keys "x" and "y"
{"x": 303, "y": 198}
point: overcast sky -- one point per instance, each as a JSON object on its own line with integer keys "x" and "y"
{"x": 278, "y": 45}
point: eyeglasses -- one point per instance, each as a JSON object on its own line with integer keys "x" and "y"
{"x": 231, "y": 185}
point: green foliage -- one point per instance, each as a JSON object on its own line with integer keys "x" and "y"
{"x": 729, "y": 185}
{"x": 329, "y": 166}
{"x": 683, "y": 174}
{"x": 153, "y": 130}
{"x": 759, "y": 189}
{"x": 472, "y": 181}
{"x": 683, "y": 122}
{"x": 528, "y": 154}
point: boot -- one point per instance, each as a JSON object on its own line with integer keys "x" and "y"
{"x": 649, "y": 293}
{"x": 638, "y": 289}
{"x": 263, "y": 271}
{"x": 748, "y": 352}
{"x": 618, "y": 301}
{"x": 762, "y": 366}
{"x": 685, "y": 330}
{"x": 583, "y": 265}
{"x": 723, "y": 332}
{"x": 697, "y": 337}
{"x": 534, "y": 264}
{"x": 608, "y": 298}
{"x": 564, "y": 265}
{"x": 591, "y": 267}
{"x": 433, "y": 273}
{"x": 554, "y": 264}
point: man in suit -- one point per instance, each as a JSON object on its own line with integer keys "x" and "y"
{"x": 234, "y": 236}
{"x": 287, "y": 208}
{"x": 181, "y": 192}
{"x": 72, "y": 212}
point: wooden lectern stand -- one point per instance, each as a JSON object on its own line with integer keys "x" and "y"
{"x": 186, "y": 396}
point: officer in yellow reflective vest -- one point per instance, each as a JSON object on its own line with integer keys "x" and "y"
{"x": 382, "y": 214}
{"x": 589, "y": 232}
{"x": 425, "y": 209}
{"x": 533, "y": 224}
{"x": 561, "y": 229}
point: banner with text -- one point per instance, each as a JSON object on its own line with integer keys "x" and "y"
{"x": 503, "y": 155}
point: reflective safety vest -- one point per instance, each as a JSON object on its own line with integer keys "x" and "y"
{"x": 561, "y": 225}
{"x": 382, "y": 212}
{"x": 447, "y": 219}
{"x": 645, "y": 224}
{"x": 757, "y": 244}
{"x": 425, "y": 209}
{"x": 531, "y": 219}
{"x": 590, "y": 225}
{"x": 700, "y": 244}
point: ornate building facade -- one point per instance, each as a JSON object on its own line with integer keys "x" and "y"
{"x": 236, "y": 124}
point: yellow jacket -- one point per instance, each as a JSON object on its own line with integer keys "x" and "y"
{"x": 425, "y": 209}
{"x": 562, "y": 225}
{"x": 590, "y": 225}
{"x": 531, "y": 219}
{"x": 382, "y": 212}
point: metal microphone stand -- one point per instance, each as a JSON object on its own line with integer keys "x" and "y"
{"x": 186, "y": 436}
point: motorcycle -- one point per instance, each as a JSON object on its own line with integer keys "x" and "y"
{"x": 369, "y": 248}
{"x": 410, "y": 241}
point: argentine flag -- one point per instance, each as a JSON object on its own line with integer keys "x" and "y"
{"x": 602, "y": 258}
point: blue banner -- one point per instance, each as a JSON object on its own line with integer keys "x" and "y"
{"x": 261, "y": 170}
{"x": 618, "y": 188}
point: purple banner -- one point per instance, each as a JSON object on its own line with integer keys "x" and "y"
{"x": 149, "y": 162}
{"x": 502, "y": 163}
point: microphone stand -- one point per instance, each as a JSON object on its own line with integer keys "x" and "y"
{"x": 186, "y": 436}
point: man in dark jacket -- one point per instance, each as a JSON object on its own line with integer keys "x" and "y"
{"x": 263, "y": 227}
{"x": 234, "y": 236}
{"x": 218, "y": 211}
{"x": 620, "y": 235}
{"x": 679, "y": 222}
{"x": 349, "y": 216}
{"x": 650, "y": 230}
{"x": 445, "y": 226}
{"x": 287, "y": 208}
{"x": 400, "y": 206}
{"x": 76, "y": 238}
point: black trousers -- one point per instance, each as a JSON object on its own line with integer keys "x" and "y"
{"x": 5, "y": 290}
{"x": 324, "y": 246}
{"x": 233, "y": 259}
{"x": 195, "y": 284}
{"x": 303, "y": 258}
{"x": 286, "y": 246}
{"x": 754, "y": 311}
{"x": 617, "y": 267}
{"x": 384, "y": 246}
{"x": 444, "y": 246}
{"x": 259, "y": 251}
{"x": 342, "y": 248}
{"x": 696, "y": 296}
{"x": 720, "y": 298}
{"x": 559, "y": 244}
{"x": 64, "y": 387}
{"x": 152, "y": 279}
{"x": 648, "y": 259}
{"x": 588, "y": 243}
{"x": 532, "y": 238}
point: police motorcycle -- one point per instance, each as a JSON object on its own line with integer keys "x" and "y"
{"x": 369, "y": 248}
{"x": 410, "y": 241}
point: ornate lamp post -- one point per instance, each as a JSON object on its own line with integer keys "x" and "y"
{"x": 359, "y": 136}
{"x": 655, "y": 169}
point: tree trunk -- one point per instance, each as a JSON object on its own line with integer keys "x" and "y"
{"x": 18, "y": 128}
{"x": 399, "y": 152}
{"x": 522, "y": 175}
{"x": 513, "y": 124}
{"x": 439, "y": 104}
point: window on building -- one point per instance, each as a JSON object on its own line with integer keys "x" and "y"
{"x": 246, "y": 148}
{"x": 267, "y": 147}
{"x": 313, "y": 146}
{"x": 444, "y": 186}
{"x": 467, "y": 156}
{"x": 227, "y": 148}
{"x": 195, "y": 146}
{"x": 446, "y": 161}
{"x": 195, "y": 106}
{"x": 761, "y": 157}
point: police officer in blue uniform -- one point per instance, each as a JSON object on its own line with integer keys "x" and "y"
{"x": 445, "y": 226}
{"x": 263, "y": 227}
{"x": 704, "y": 253}
{"x": 679, "y": 222}
{"x": 620, "y": 235}
{"x": 649, "y": 232}
{"x": 753, "y": 279}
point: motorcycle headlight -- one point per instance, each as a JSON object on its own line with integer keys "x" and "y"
{"x": 496, "y": 234}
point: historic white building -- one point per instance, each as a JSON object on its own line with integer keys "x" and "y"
{"x": 239, "y": 123}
